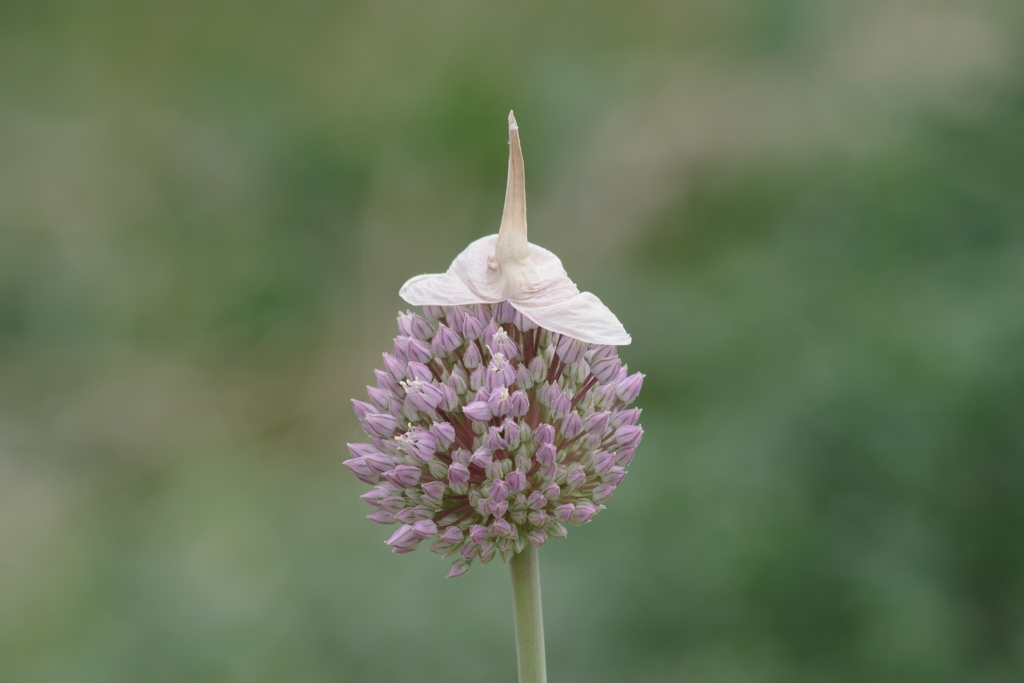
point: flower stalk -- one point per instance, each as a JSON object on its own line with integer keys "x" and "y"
{"x": 529, "y": 619}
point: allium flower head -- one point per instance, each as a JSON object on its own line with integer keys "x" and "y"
{"x": 502, "y": 414}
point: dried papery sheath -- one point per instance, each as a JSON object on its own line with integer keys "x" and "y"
{"x": 506, "y": 268}
{"x": 502, "y": 414}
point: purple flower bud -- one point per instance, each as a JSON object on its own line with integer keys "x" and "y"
{"x": 477, "y": 410}
{"x": 625, "y": 456}
{"x": 482, "y": 457}
{"x": 403, "y": 540}
{"x": 401, "y": 348}
{"x": 628, "y": 389}
{"x": 516, "y": 481}
{"x": 360, "y": 450}
{"x": 455, "y": 319}
{"x": 628, "y": 436}
{"x": 500, "y": 490}
{"x": 603, "y": 462}
{"x": 359, "y": 468}
{"x": 487, "y": 551}
{"x": 472, "y": 359}
{"x": 394, "y": 367}
{"x": 381, "y": 517}
{"x": 362, "y": 409}
{"x": 413, "y": 325}
{"x": 572, "y": 426}
{"x": 380, "y": 397}
{"x": 501, "y": 528}
{"x": 576, "y": 478}
{"x": 605, "y": 369}
{"x": 449, "y": 399}
{"x": 478, "y": 533}
{"x": 434, "y": 312}
{"x": 498, "y": 507}
{"x": 444, "y": 433}
{"x": 461, "y": 456}
{"x": 570, "y": 350}
{"x": 583, "y": 513}
{"x": 564, "y": 512}
{"x": 537, "y": 538}
{"x": 556, "y": 530}
{"x": 596, "y": 422}
{"x": 374, "y": 496}
{"x": 404, "y": 476}
{"x": 504, "y": 313}
{"x": 419, "y": 352}
{"x": 614, "y": 476}
{"x": 520, "y": 404}
{"x": 424, "y": 528}
{"x": 433, "y": 492}
{"x": 603, "y": 492}
{"x": 483, "y": 393}
{"x": 545, "y": 455}
{"x": 544, "y": 433}
{"x": 459, "y": 567}
{"x": 458, "y": 477}
{"x": 392, "y": 504}
{"x": 560, "y": 407}
{"x": 379, "y": 424}
{"x": 539, "y": 518}
{"x": 551, "y": 490}
{"x": 472, "y": 328}
{"x": 445, "y": 341}
{"x": 536, "y": 501}
{"x": 625, "y": 417}
{"x": 452, "y": 535}
{"x": 387, "y": 382}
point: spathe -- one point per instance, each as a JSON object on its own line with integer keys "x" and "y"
{"x": 506, "y": 267}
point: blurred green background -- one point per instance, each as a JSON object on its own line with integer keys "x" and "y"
{"x": 809, "y": 215}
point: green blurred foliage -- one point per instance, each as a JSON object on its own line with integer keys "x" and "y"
{"x": 808, "y": 214}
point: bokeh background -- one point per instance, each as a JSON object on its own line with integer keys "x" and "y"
{"x": 809, "y": 214}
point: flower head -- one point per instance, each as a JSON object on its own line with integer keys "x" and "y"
{"x": 503, "y": 414}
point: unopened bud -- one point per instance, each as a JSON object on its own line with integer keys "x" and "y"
{"x": 545, "y": 433}
{"x": 478, "y": 410}
{"x": 445, "y": 341}
{"x": 516, "y": 481}
{"x": 628, "y": 389}
{"x": 382, "y": 517}
{"x": 572, "y": 426}
{"x": 628, "y": 436}
{"x": 459, "y": 567}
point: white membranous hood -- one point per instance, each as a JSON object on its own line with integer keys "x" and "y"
{"x": 506, "y": 267}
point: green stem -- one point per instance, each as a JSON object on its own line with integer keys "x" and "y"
{"x": 529, "y": 620}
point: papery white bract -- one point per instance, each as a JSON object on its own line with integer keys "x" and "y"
{"x": 505, "y": 267}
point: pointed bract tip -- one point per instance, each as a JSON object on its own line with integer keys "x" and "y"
{"x": 512, "y": 125}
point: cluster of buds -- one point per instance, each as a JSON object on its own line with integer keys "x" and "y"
{"x": 489, "y": 432}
